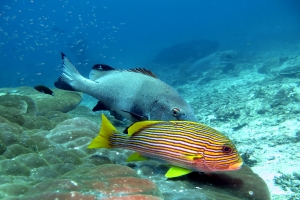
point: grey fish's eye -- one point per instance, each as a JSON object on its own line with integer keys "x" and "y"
{"x": 175, "y": 112}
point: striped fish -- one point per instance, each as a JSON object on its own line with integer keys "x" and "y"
{"x": 187, "y": 146}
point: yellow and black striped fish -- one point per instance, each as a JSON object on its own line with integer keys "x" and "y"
{"x": 187, "y": 146}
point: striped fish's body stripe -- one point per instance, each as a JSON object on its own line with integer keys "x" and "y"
{"x": 180, "y": 151}
{"x": 185, "y": 141}
{"x": 161, "y": 142}
{"x": 186, "y": 144}
{"x": 192, "y": 135}
{"x": 164, "y": 155}
{"x": 175, "y": 146}
{"x": 166, "y": 152}
{"x": 179, "y": 140}
{"x": 118, "y": 140}
{"x": 188, "y": 135}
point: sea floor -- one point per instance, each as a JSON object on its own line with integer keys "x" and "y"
{"x": 257, "y": 105}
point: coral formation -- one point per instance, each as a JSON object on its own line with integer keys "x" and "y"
{"x": 289, "y": 181}
{"x": 40, "y": 163}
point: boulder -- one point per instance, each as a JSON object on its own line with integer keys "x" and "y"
{"x": 40, "y": 103}
{"x": 110, "y": 182}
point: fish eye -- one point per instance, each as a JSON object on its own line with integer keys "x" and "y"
{"x": 226, "y": 149}
{"x": 175, "y": 112}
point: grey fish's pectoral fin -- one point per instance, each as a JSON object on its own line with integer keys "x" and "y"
{"x": 175, "y": 171}
{"x": 136, "y": 116}
{"x": 100, "y": 106}
{"x": 193, "y": 157}
{"x": 117, "y": 115}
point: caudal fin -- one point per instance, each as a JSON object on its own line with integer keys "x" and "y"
{"x": 102, "y": 139}
{"x": 69, "y": 77}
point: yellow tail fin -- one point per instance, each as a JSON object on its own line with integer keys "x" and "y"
{"x": 102, "y": 139}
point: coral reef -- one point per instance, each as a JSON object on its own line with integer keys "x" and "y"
{"x": 43, "y": 164}
{"x": 289, "y": 182}
{"x": 106, "y": 182}
{"x": 40, "y": 103}
{"x": 53, "y": 162}
{"x": 31, "y": 109}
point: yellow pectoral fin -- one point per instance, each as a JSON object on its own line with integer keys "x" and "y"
{"x": 177, "y": 171}
{"x": 194, "y": 157}
{"x": 135, "y": 157}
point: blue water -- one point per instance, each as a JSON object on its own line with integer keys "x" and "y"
{"x": 127, "y": 34}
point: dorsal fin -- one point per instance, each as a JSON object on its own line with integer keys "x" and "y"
{"x": 99, "y": 70}
{"x": 136, "y": 127}
{"x": 102, "y": 67}
{"x": 143, "y": 71}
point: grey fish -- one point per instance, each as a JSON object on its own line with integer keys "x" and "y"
{"x": 135, "y": 94}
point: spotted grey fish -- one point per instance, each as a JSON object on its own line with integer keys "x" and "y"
{"x": 136, "y": 94}
{"x": 187, "y": 146}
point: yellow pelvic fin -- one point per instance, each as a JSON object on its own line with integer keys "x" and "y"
{"x": 136, "y": 157}
{"x": 175, "y": 171}
{"x": 102, "y": 139}
{"x": 140, "y": 125}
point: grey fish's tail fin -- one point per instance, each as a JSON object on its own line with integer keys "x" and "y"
{"x": 70, "y": 76}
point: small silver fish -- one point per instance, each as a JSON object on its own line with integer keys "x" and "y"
{"x": 135, "y": 94}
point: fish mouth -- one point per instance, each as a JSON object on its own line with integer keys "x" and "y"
{"x": 235, "y": 166}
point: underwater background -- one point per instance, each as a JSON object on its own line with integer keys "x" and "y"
{"x": 236, "y": 62}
